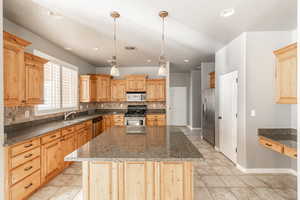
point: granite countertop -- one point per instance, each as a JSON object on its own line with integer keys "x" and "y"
{"x": 154, "y": 144}
{"x": 287, "y": 137}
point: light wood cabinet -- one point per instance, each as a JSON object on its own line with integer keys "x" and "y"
{"x": 88, "y": 88}
{"x": 156, "y": 120}
{"x": 14, "y": 70}
{"x": 106, "y": 122}
{"x": 51, "y": 160}
{"x": 118, "y": 90}
{"x": 138, "y": 180}
{"x": 68, "y": 143}
{"x": 286, "y": 74}
{"x": 271, "y": 144}
{"x": 118, "y": 120}
{"x": 136, "y": 83}
{"x": 103, "y": 87}
{"x": 34, "y": 72}
{"x": 156, "y": 90}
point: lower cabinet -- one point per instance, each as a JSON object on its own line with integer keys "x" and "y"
{"x": 156, "y": 120}
{"x": 68, "y": 143}
{"x": 51, "y": 160}
{"x": 138, "y": 180}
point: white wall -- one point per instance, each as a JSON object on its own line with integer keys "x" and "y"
{"x": 182, "y": 80}
{"x": 1, "y": 107}
{"x": 195, "y": 99}
{"x": 152, "y": 71}
{"x": 47, "y": 47}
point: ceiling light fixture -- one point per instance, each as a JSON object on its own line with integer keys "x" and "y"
{"x": 114, "y": 71}
{"x": 96, "y": 48}
{"x": 148, "y": 61}
{"x": 68, "y": 48}
{"x": 227, "y": 12}
{"x": 162, "y": 71}
{"x": 186, "y": 60}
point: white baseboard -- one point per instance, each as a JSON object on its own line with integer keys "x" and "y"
{"x": 266, "y": 170}
{"x": 192, "y": 128}
{"x": 217, "y": 149}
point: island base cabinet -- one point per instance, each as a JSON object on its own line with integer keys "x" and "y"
{"x": 138, "y": 180}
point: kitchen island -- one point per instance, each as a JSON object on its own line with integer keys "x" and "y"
{"x": 156, "y": 164}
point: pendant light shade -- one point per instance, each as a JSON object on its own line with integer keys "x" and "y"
{"x": 114, "y": 67}
{"x": 162, "y": 71}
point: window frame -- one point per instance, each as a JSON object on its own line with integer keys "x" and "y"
{"x": 61, "y": 64}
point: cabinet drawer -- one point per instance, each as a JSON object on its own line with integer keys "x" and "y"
{"x": 24, "y": 157}
{"x": 51, "y": 136}
{"x": 68, "y": 130}
{"x": 24, "y": 170}
{"x": 80, "y": 126}
{"x": 161, "y": 117}
{"x": 26, "y": 146}
{"x": 24, "y": 188}
{"x": 88, "y": 123}
{"x": 290, "y": 152}
{"x": 271, "y": 145}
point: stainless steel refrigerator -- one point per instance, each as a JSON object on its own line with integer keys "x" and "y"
{"x": 208, "y": 115}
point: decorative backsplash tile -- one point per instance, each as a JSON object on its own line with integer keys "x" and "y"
{"x": 15, "y": 115}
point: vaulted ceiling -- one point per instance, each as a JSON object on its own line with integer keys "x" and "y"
{"x": 194, "y": 28}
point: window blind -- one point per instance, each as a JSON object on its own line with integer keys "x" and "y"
{"x": 69, "y": 88}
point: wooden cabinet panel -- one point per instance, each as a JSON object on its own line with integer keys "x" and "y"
{"x": 51, "y": 159}
{"x": 290, "y": 152}
{"x": 103, "y": 88}
{"x": 68, "y": 130}
{"x": 106, "y": 122}
{"x": 156, "y": 120}
{"x": 88, "y": 88}
{"x": 136, "y": 83}
{"x": 14, "y": 70}
{"x": 286, "y": 74}
{"x": 118, "y": 90}
{"x": 34, "y": 69}
{"x": 26, "y": 146}
{"x": 25, "y": 157}
{"x": 24, "y": 170}
{"x": 51, "y": 136}
{"x": 26, "y": 187}
{"x": 118, "y": 120}
{"x": 68, "y": 144}
{"x": 156, "y": 90}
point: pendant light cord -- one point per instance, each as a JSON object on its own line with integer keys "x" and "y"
{"x": 115, "y": 39}
{"x": 163, "y": 38}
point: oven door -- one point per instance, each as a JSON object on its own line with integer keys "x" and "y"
{"x": 135, "y": 121}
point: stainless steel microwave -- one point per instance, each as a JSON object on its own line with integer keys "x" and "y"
{"x": 136, "y": 96}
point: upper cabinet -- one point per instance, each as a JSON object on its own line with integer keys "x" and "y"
{"x": 136, "y": 83}
{"x": 156, "y": 90}
{"x": 14, "y": 70}
{"x": 286, "y": 74}
{"x": 118, "y": 90}
{"x": 88, "y": 88}
{"x": 103, "y": 87}
{"x": 34, "y": 72}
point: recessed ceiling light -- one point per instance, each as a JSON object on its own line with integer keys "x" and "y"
{"x": 54, "y": 14}
{"x": 186, "y": 60}
{"x": 68, "y": 48}
{"x": 148, "y": 61}
{"x": 96, "y": 48}
{"x": 227, "y": 12}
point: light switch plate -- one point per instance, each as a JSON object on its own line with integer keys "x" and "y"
{"x": 253, "y": 113}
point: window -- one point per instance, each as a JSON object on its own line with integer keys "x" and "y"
{"x": 60, "y": 86}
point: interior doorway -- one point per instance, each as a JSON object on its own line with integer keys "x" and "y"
{"x": 228, "y": 115}
{"x": 178, "y": 106}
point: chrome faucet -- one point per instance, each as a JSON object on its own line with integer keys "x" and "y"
{"x": 67, "y": 114}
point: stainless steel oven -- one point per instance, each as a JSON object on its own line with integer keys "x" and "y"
{"x": 135, "y": 121}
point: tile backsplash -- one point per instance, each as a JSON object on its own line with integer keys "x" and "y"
{"x": 15, "y": 115}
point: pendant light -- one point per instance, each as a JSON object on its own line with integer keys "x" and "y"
{"x": 162, "y": 71}
{"x": 114, "y": 71}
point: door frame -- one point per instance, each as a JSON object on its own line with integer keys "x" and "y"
{"x": 234, "y": 123}
{"x": 186, "y": 106}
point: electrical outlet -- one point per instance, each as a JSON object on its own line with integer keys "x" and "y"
{"x": 27, "y": 114}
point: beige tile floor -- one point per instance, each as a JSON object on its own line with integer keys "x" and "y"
{"x": 215, "y": 178}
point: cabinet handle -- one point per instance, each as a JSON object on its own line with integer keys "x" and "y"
{"x": 28, "y": 156}
{"x": 295, "y": 155}
{"x": 28, "y": 168}
{"x": 53, "y": 136}
{"x": 28, "y": 145}
{"x": 23, "y": 101}
{"x": 269, "y": 145}
{"x": 28, "y": 186}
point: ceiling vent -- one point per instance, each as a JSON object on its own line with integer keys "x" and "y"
{"x": 130, "y": 48}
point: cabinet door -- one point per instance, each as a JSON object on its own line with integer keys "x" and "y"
{"x": 34, "y": 84}
{"x": 286, "y": 75}
{"x": 84, "y": 89}
{"x": 131, "y": 85}
{"x": 150, "y": 122}
{"x": 93, "y": 90}
{"x": 51, "y": 159}
{"x": 81, "y": 138}
{"x": 103, "y": 88}
{"x": 118, "y": 90}
{"x": 161, "y": 120}
{"x": 140, "y": 84}
{"x": 151, "y": 90}
{"x": 160, "y": 90}
{"x": 68, "y": 145}
{"x": 14, "y": 78}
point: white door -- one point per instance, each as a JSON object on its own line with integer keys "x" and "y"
{"x": 228, "y": 115}
{"x": 178, "y": 106}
